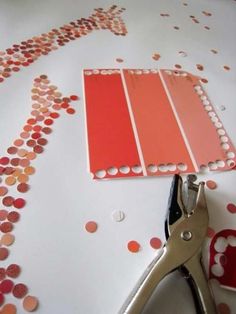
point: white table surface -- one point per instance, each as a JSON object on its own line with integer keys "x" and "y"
{"x": 68, "y": 269}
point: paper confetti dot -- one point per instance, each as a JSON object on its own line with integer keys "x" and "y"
{"x": 7, "y": 201}
{"x": 133, "y": 246}
{"x": 223, "y": 308}
{"x": 13, "y": 270}
{"x": 156, "y": 243}
{"x": 3, "y": 190}
{"x": 118, "y": 215}
{"x": 211, "y": 184}
{"x": 156, "y": 56}
{"x": 9, "y": 309}
{"x": 6, "y": 286}
{"x": 91, "y": 226}
{"x": 22, "y": 187}
{"x": 7, "y": 239}
{"x": 13, "y": 216}
{"x": 2, "y": 273}
{"x": 6, "y": 227}
{"x": 19, "y": 203}
{"x": 119, "y": 60}
{"x": 226, "y": 67}
{"x": 20, "y": 290}
{"x": 200, "y": 67}
{"x": 3, "y": 253}
{"x": 30, "y": 303}
{"x": 3, "y": 214}
{"x": 231, "y": 208}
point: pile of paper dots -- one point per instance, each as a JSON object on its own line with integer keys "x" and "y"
{"x": 28, "y": 51}
{"x": 16, "y": 168}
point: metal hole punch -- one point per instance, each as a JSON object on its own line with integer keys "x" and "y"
{"x": 185, "y": 228}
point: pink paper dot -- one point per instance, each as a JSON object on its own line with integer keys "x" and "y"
{"x": 231, "y": 208}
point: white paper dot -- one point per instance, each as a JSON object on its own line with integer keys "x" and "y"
{"x": 118, "y": 215}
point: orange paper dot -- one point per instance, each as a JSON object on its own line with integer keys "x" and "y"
{"x": 9, "y": 309}
{"x": 211, "y": 184}
{"x": 91, "y": 226}
{"x": 156, "y": 56}
{"x": 133, "y": 246}
{"x": 11, "y": 180}
{"x": 30, "y": 303}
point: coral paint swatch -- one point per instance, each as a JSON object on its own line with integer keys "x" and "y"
{"x": 16, "y": 168}
{"x": 146, "y": 123}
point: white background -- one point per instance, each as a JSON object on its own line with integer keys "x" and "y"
{"x": 69, "y": 270}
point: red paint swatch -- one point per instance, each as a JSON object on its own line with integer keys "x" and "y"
{"x": 112, "y": 142}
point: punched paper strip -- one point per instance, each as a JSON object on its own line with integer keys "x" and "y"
{"x": 151, "y": 123}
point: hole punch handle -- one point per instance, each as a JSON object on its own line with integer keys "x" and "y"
{"x": 202, "y": 293}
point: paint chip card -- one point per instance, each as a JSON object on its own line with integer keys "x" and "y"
{"x": 151, "y": 123}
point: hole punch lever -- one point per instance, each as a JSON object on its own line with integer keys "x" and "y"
{"x": 185, "y": 227}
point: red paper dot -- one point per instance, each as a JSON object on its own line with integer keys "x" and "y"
{"x": 231, "y": 208}
{"x": 31, "y": 121}
{"x": 19, "y": 203}
{"x": 6, "y": 286}
{"x": 36, "y": 135}
{"x": 54, "y": 115}
{"x": 64, "y": 105}
{"x": 48, "y": 122}
{"x": 37, "y": 128}
{"x": 156, "y": 243}
{"x": 4, "y": 160}
{"x": 70, "y": 110}
{"x": 133, "y": 246}
{"x": 13, "y": 270}
{"x": 74, "y": 97}
{"x": 2, "y": 273}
